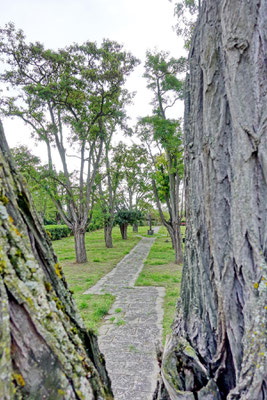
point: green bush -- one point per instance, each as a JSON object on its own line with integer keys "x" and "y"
{"x": 94, "y": 226}
{"x": 56, "y": 232}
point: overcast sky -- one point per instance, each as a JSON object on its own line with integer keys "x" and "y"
{"x": 137, "y": 24}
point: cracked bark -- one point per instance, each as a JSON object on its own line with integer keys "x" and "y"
{"x": 221, "y": 317}
{"x": 45, "y": 349}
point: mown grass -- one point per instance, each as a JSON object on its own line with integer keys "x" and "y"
{"x": 101, "y": 261}
{"x": 160, "y": 270}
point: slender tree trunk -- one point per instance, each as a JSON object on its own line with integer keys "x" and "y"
{"x": 123, "y": 229}
{"x": 182, "y": 202}
{"x": 80, "y": 250}
{"x": 173, "y": 228}
{"x": 46, "y": 351}
{"x": 108, "y": 235}
{"x": 135, "y": 227}
{"x": 177, "y": 242}
{"x": 175, "y": 235}
{"x": 219, "y": 336}
{"x": 58, "y": 218}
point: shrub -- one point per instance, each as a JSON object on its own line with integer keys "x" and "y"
{"x": 56, "y": 232}
{"x": 94, "y": 226}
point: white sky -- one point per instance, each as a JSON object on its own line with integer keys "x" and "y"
{"x": 137, "y": 24}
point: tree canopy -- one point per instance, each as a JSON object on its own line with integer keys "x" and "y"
{"x": 67, "y": 97}
{"x": 163, "y": 138}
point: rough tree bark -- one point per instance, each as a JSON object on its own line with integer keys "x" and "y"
{"x": 123, "y": 229}
{"x": 45, "y": 350}
{"x": 108, "y": 235}
{"x": 80, "y": 249}
{"x": 218, "y": 346}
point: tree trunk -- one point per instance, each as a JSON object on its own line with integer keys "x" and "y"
{"x": 172, "y": 227}
{"x": 123, "y": 229}
{"x": 177, "y": 242}
{"x": 46, "y": 351}
{"x": 175, "y": 234}
{"x": 58, "y": 218}
{"x": 218, "y": 334}
{"x": 108, "y": 236}
{"x": 135, "y": 227}
{"x": 80, "y": 250}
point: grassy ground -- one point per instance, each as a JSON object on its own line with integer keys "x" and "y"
{"x": 101, "y": 261}
{"x": 160, "y": 270}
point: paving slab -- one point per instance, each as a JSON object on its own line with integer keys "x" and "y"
{"x": 128, "y": 338}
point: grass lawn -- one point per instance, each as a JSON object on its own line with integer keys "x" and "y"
{"x": 160, "y": 270}
{"x": 101, "y": 261}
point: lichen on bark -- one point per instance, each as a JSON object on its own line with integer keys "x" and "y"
{"x": 46, "y": 351}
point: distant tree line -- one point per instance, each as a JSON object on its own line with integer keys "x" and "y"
{"x": 75, "y": 98}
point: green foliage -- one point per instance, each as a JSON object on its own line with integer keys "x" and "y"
{"x": 97, "y": 221}
{"x": 57, "y": 232}
{"x": 161, "y": 73}
{"x": 186, "y": 12}
{"x": 165, "y": 134}
{"x": 69, "y": 96}
{"x": 129, "y": 173}
{"x": 120, "y": 322}
{"x": 161, "y": 177}
{"x": 25, "y": 161}
{"x": 34, "y": 174}
{"x": 125, "y": 216}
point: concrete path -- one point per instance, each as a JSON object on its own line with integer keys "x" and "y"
{"x": 132, "y": 327}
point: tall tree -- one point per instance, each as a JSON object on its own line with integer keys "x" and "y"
{"x": 46, "y": 351}
{"x": 161, "y": 73}
{"x": 72, "y": 90}
{"x": 219, "y": 337}
{"x": 111, "y": 178}
{"x": 167, "y": 175}
{"x": 136, "y": 183}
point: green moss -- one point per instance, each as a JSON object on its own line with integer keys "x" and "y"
{"x": 190, "y": 352}
{"x": 48, "y": 286}
{"x": 4, "y": 199}
{"x": 58, "y": 270}
{"x": 3, "y": 266}
{"x": 59, "y": 304}
{"x": 49, "y": 316}
{"x": 18, "y": 378}
{"x": 30, "y": 301}
{"x": 79, "y": 393}
{"x": 18, "y": 253}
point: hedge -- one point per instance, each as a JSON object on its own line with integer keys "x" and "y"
{"x": 56, "y": 232}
